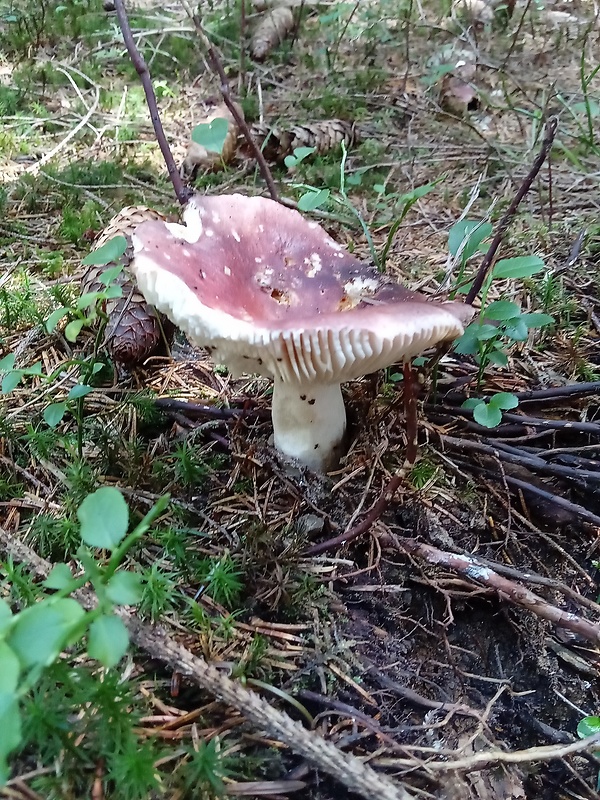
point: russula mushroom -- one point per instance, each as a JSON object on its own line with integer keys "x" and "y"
{"x": 267, "y": 291}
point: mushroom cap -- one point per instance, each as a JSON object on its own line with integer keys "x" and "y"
{"x": 270, "y": 292}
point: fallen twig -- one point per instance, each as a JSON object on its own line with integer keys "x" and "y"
{"x": 540, "y": 395}
{"x": 513, "y": 456}
{"x": 490, "y": 255}
{"x": 471, "y": 568}
{"x": 344, "y": 767}
{"x": 181, "y": 191}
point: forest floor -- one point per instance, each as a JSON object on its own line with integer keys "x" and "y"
{"x": 450, "y": 679}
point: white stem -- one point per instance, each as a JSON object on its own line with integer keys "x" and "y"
{"x": 309, "y": 422}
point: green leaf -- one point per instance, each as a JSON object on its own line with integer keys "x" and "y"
{"x": 486, "y": 415}
{"x": 88, "y": 299}
{"x": 588, "y": 726}
{"x": 104, "y": 518}
{"x": 11, "y": 380}
{"x": 537, "y": 320}
{"x": 504, "y": 400}
{"x": 471, "y": 230}
{"x": 73, "y": 329}
{"x": 300, "y": 153}
{"x": 313, "y": 200}
{"x": 59, "y": 578}
{"x": 516, "y": 329}
{"x": 42, "y": 631}
{"x": 110, "y": 251}
{"x": 471, "y": 402}
{"x": 6, "y": 617}
{"x": 80, "y": 390}
{"x": 8, "y": 362}
{"x": 54, "y": 413}
{"x": 110, "y": 274}
{"x": 10, "y": 669}
{"x": 108, "y": 640}
{"x": 53, "y": 320}
{"x": 124, "y": 588}
{"x": 211, "y": 135}
{"x": 112, "y": 292}
{"x": 10, "y": 725}
{"x": 519, "y": 267}
{"x": 501, "y": 310}
{"x": 497, "y": 357}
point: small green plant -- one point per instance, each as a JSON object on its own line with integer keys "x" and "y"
{"x": 33, "y": 638}
{"x": 488, "y": 411}
{"x": 221, "y": 580}
{"x": 590, "y": 726}
{"x": 211, "y": 135}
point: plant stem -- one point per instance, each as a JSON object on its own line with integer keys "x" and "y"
{"x": 216, "y": 65}
{"x": 510, "y": 212}
{"x": 182, "y": 192}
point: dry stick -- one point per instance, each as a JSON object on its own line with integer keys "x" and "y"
{"x": 344, "y": 767}
{"x": 488, "y": 259}
{"x": 539, "y": 395}
{"x": 216, "y": 65}
{"x": 410, "y": 387}
{"x": 181, "y": 191}
{"x": 522, "y": 458}
{"x": 506, "y": 589}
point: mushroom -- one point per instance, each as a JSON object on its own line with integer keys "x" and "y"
{"x": 267, "y": 291}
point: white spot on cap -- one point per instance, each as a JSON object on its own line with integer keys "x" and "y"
{"x": 203, "y": 274}
{"x": 167, "y": 257}
{"x": 210, "y": 232}
{"x": 236, "y": 236}
{"x": 186, "y": 253}
{"x": 314, "y": 263}
{"x": 337, "y": 255}
{"x": 258, "y": 260}
{"x": 216, "y": 218}
{"x": 261, "y": 228}
{"x": 227, "y": 271}
{"x": 333, "y": 245}
{"x": 313, "y": 224}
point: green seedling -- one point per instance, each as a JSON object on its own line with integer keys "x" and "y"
{"x": 500, "y": 325}
{"x": 590, "y": 726}
{"x": 300, "y": 153}
{"x": 488, "y": 411}
{"x": 211, "y": 135}
{"x": 33, "y": 639}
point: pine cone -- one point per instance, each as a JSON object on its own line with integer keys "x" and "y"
{"x": 278, "y": 22}
{"x": 323, "y": 136}
{"x": 134, "y": 329}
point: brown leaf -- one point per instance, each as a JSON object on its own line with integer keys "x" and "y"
{"x": 276, "y": 24}
{"x": 198, "y": 157}
{"x": 134, "y": 329}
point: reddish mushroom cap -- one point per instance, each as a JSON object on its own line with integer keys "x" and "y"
{"x": 272, "y": 293}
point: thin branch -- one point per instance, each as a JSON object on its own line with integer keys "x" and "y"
{"x": 489, "y": 257}
{"x": 522, "y": 459}
{"x": 471, "y": 568}
{"x": 216, "y": 64}
{"x": 344, "y": 767}
{"x": 181, "y": 191}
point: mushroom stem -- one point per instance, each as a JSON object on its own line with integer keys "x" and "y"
{"x": 309, "y": 422}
